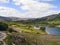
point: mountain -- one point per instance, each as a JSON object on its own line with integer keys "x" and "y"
{"x": 49, "y": 18}
{"x": 14, "y": 18}
{"x": 53, "y": 17}
{"x": 4, "y": 18}
{"x": 9, "y": 18}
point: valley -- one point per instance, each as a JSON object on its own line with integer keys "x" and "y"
{"x": 29, "y": 32}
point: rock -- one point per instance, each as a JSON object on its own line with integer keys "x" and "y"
{"x": 1, "y": 43}
{"x": 34, "y": 43}
{"x": 19, "y": 39}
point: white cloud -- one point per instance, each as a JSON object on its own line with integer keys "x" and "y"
{"x": 35, "y": 9}
{"x": 47, "y": 0}
{"x": 5, "y": 1}
{"x": 4, "y": 11}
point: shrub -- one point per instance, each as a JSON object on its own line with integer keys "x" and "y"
{"x": 42, "y": 28}
{"x": 3, "y": 26}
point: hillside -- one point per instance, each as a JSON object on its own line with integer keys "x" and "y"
{"x": 15, "y": 35}
{"x": 46, "y": 18}
{"x": 54, "y": 17}
{"x": 14, "y": 18}
{"x": 9, "y": 18}
{"x": 22, "y": 33}
{"x": 51, "y": 17}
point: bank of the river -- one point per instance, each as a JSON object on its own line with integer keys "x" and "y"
{"x": 58, "y": 26}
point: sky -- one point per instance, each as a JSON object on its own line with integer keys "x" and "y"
{"x": 29, "y": 8}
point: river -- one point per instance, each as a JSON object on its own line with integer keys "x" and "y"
{"x": 53, "y": 30}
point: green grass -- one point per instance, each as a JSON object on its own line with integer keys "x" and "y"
{"x": 51, "y": 43}
{"x": 23, "y": 29}
{"x": 8, "y": 40}
{"x": 31, "y": 35}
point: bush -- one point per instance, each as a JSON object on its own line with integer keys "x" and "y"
{"x": 42, "y": 28}
{"x": 3, "y": 26}
{"x": 11, "y": 30}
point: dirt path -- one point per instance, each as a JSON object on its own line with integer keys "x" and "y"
{"x": 2, "y": 36}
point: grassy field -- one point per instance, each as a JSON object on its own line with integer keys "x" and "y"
{"x": 27, "y": 35}
{"x": 35, "y": 37}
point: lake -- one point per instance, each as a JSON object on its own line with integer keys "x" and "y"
{"x": 53, "y": 30}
